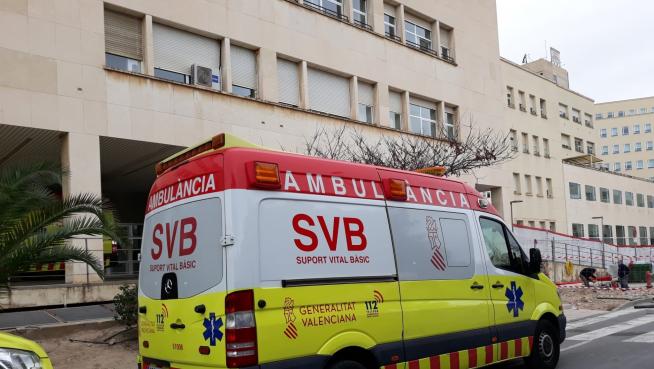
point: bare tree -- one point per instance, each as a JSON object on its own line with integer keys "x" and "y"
{"x": 479, "y": 148}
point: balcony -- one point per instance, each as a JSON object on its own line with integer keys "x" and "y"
{"x": 424, "y": 48}
{"x": 393, "y": 36}
{"x": 361, "y": 24}
{"x": 338, "y": 14}
{"x": 445, "y": 54}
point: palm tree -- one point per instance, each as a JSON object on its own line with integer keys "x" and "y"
{"x": 36, "y": 226}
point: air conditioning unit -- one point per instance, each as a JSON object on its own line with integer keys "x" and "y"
{"x": 201, "y": 75}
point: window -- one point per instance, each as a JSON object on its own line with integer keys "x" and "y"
{"x": 503, "y": 250}
{"x": 330, "y": 7}
{"x": 603, "y": 132}
{"x": 616, "y": 166}
{"x": 632, "y": 112}
{"x": 650, "y": 201}
{"x": 360, "y": 12}
{"x": 650, "y": 163}
{"x": 590, "y": 148}
{"x": 423, "y": 118}
{"x": 599, "y": 116}
{"x": 627, "y": 148}
{"x": 416, "y": 35}
{"x": 449, "y": 123}
{"x": 395, "y": 109}
{"x": 629, "y": 198}
{"x": 619, "y": 234}
{"x": 575, "y": 190}
{"x": 640, "y": 200}
{"x": 642, "y": 231}
{"x": 627, "y": 165}
{"x": 329, "y": 93}
{"x": 513, "y": 136}
{"x": 175, "y": 51}
{"x": 244, "y": 71}
{"x": 543, "y": 108}
{"x": 563, "y": 111}
{"x": 539, "y": 186}
{"x": 642, "y": 110}
{"x": 605, "y": 196}
{"x": 625, "y": 131}
{"x": 576, "y": 116}
{"x": 616, "y": 149}
{"x": 525, "y": 143}
{"x": 390, "y": 27}
{"x": 123, "y": 41}
{"x": 638, "y": 147}
{"x": 446, "y": 42}
{"x": 590, "y": 193}
{"x": 288, "y": 82}
{"x": 614, "y": 132}
{"x": 632, "y": 234}
{"x": 523, "y": 106}
{"x": 579, "y": 145}
{"x": 593, "y": 232}
{"x": 548, "y": 183}
{"x": 528, "y": 187}
{"x": 617, "y": 197}
{"x": 553, "y": 226}
{"x": 648, "y": 127}
{"x": 565, "y": 141}
{"x": 609, "y": 114}
{"x": 366, "y": 102}
{"x": 649, "y": 145}
{"x": 546, "y": 147}
{"x": 536, "y": 145}
{"x": 651, "y": 230}
{"x": 588, "y": 120}
{"x": 532, "y": 104}
{"x": 636, "y": 129}
{"x": 532, "y": 223}
{"x": 510, "y": 98}
{"x": 605, "y": 150}
{"x": 620, "y": 113}
{"x": 577, "y": 230}
{"x": 639, "y": 164}
{"x": 607, "y": 233}
{"x": 517, "y": 187}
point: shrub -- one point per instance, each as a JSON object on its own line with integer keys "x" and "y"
{"x": 126, "y": 305}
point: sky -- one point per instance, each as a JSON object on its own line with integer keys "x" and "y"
{"x": 605, "y": 45}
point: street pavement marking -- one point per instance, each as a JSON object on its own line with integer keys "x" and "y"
{"x": 643, "y": 338}
{"x": 599, "y": 318}
{"x": 612, "y": 329}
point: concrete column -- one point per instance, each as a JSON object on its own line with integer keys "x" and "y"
{"x": 376, "y": 15}
{"x": 405, "y": 110}
{"x": 148, "y": 46}
{"x": 226, "y": 66}
{"x": 400, "y": 22}
{"x": 440, "y": 118}
{"x": 347, "y": 10}
{"x": 267, "y": 67}
{"x": 436, "y": 40}
{"x": 80, "y": 157}
{"x": 304, "y": 85}
{"x": 354, "y": 97}
{"x": 381, "y": 105}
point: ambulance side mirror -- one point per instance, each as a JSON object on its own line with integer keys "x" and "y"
{"x": 535, "y": 261}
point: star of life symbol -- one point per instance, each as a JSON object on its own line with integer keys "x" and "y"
{"x": 290, "y": 331}
{"x": 212, "y": 329}
{"x": 437, "y": 259}
{"x": 515, "y": 303}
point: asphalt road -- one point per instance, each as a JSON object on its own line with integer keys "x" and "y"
{"x": 618, "y": 340}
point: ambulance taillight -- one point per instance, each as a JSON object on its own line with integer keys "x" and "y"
{"x": 240, "y": 329}
{"x": 395, "y": 189}
{"x": 264, "y": 175}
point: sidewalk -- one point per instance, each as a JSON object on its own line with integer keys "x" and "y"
{"x": 576, "y": 314}
{"x": 56, "y": 316}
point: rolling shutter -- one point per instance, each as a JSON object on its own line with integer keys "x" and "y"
{"x": 122, "y": 35}
{"x": 389, "y": 9}
{"x": 417, "y": 21}
{"x": 423, "y": 103}
{"x": 176, "y": 50}
{"x": 288, "y": 82}
{"x": 445, "y": 37}
{"x": 329, "y": 93}
{"x": 244, "y": 67}
{"x": 366, "y": 94}
{"x": 395, "y": 102}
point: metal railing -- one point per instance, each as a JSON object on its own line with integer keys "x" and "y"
{"x": 326, "y": 11}
{"x": 361, "y": 24}
{"x": 422, "y": 48}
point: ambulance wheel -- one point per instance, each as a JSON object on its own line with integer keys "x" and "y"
{"x": 546, "y": 349}
{"x": 347, "y": 364}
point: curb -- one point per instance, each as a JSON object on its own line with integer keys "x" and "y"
{"x": 630, "y": 304}
{"x": 58, "y": 326}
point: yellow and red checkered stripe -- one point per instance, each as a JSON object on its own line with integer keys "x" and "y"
{"x": 50, "y": 267}
{"x": 473, "y": 358}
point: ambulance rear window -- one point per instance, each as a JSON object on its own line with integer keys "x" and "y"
{"x": 181, "y": 254}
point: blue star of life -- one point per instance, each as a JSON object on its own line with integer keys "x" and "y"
{"x": 212, "y": 329}
{"x": 515, "y": 303}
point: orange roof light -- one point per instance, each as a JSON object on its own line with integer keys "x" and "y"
{"x": 216, "y": 142}
{"x": 266, "y": 175}
{"x": 438, "y": 170}
{"x": 395, "y": 189}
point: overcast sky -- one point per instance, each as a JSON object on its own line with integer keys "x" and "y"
{"x": 605, "y": 45}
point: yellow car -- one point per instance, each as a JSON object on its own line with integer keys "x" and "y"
{"x": 20, "y": 353}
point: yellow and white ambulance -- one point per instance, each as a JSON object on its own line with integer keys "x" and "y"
{"x": 261, "y": 259}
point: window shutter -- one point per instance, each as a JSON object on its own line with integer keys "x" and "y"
{"x": 329, "y": 93}
{"x": 389, "y": 9}
{"x": 395, "y": 102}
{"x": 288, "y": 82}
{"x": 176, "y": 50}
{"x": 417, "y": 21}
{"x": 122, "y": 35}
{"x": 244, "y": 67}
{"x": 366, "y": 94}
{"x": 423, "y": 103}
{"x": 445, "y": 37}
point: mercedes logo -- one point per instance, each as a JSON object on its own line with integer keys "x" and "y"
{"x": 169, "y": 285}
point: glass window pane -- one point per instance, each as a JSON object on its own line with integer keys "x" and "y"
{"x": 495, "y": 242}
{"x": 414, "y": 125}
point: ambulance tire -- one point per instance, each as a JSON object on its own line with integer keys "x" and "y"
{"x": 546, "y": 348}
{"x": 347, "y": 364}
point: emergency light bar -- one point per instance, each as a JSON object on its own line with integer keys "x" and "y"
{"x": 438, "y": 170}
{"x": 219, "y": 141}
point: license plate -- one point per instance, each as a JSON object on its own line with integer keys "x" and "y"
{"x": 156, "y": 366}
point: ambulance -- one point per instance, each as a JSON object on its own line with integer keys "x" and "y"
{"x": 253, "y": 258}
